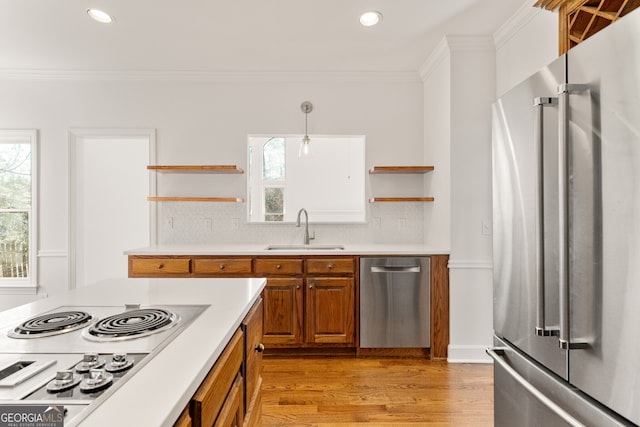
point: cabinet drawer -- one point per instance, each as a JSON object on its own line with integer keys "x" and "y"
{"x": 211, "y": 396}
{"x": 159, "y": 266}
{"x": 279, "y": 266}
{"x": 184, "y": 420}
{"x": 232, "y": 413}
{"x": 221, "y": 265}
{"x": 330, "y": 265}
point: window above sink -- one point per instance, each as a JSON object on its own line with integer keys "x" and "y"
{"x": 329, "y": 181}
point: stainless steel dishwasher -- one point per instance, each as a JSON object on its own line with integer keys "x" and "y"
{"x": 394, "y": 302}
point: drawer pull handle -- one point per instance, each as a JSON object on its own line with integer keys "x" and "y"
{"x": 221, "y": 266}
{"x": 329, "y": 266}
{"x": 278, "y": 266}
{"x": 160, "y": 266}
{"x": 260, "y": 348}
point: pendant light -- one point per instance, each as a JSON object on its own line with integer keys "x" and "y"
{"x": 306, "y": 108}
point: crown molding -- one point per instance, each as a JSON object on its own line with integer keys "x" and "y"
{"x": 215, "y": 76}
{"x": 476, "y": 43}
{"x": 453, "y": 44}
{"x": 515, "y": 23}
{"x": 437, "y": 56}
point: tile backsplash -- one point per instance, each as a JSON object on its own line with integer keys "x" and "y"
{"x": 219, "y": 223}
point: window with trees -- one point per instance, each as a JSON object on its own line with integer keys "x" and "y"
{"x": 18, "y": 181}
{"x": 273, "y": 178}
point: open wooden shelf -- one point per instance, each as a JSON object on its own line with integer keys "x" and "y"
{"x": 195, "y": 199}
{"x": 197, "y": 169}
{"x": 400, "y": 199}
{"x": 400, "y": 169}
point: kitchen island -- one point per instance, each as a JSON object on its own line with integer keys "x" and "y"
{"x": 159, "y": 392}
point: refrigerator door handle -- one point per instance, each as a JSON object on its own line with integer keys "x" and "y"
{"x": 541, "y": 330}
{"x": 564, "y": 91}
{"x": 497, "y": 355}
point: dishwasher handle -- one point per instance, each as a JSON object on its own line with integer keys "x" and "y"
{"x": 390, "y": 269}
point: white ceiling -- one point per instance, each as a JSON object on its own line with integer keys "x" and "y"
{"x": 237, "y": 35}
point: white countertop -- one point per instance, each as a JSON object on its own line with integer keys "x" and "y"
{"x": 261, "y": 249}
{"x": 157, "y": 394}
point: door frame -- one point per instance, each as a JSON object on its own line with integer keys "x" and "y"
{"x": 76, "y": 136}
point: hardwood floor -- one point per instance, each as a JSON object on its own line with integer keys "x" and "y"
{"x": 344, "y": 391}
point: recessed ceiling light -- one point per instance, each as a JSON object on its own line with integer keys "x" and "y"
{"x": 370, "y": 18}
{"x": 100, "y": 16}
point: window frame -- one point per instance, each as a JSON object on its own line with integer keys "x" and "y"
{"x": 26, "y": 285}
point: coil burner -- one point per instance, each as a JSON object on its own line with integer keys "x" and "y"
{"x": 51, "y": 324}
{"x": 131, "y": 324}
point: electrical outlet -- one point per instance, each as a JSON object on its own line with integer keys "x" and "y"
{"x": 169, "y": 222}
{"x": 486, "y": 228}
{"x": 377, "y": 222}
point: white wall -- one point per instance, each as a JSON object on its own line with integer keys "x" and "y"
{"x": 461, "y": 80}
{"x": 436, "y": 75}
{"x": 205, "y": 119}
{"x": 525, "y": 43}
{"x": 458, "y": 129}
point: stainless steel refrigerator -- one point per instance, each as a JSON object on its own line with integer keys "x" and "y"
{"x": 566, "y": 206}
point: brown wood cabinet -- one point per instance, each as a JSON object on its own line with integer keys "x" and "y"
{"x": 310, "y": 301}
{"x": 230, "y": 393}
{"x": 313, "y": 308}
{"x": 283, "y": 311}
{"x": 232, "y": 412}
{"x": 159, "y": 267}
{"x": 252, "y": 368}
{"x": 215, "y": 390}
{"x": 221, "y": 266}
{"x": 330, "y": 310}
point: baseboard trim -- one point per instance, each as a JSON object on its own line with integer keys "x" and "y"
{"x": 468, "y": 354}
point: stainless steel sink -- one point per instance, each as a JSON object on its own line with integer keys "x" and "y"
{"x": 304, "y": 248}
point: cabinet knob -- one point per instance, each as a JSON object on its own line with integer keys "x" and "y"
{"x": 221, "y": 266}
{"x": 278, "y": 266}
{"x": 260, "y": 348}
{"x": 160, "y": 266}
{"x": 329, "y": 266}
{"x": 310, "y": 286}
{"x": 297, "y": 286}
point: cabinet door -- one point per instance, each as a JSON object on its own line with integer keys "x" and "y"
{"x": 232, "y": 413}
{"x": 252, "y": 326}
{"x": 212, "y": 394}
{"x": 330, "y": 310}
{"x": 283, "y": 311}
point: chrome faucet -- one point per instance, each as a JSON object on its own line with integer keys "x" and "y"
{"x": 306, "y": 225}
